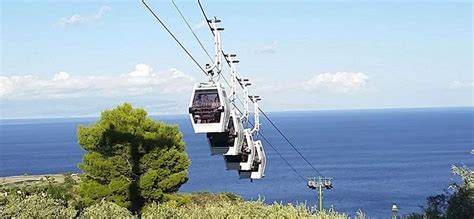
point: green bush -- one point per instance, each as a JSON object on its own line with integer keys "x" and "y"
{"x": 203, "y": 198}
{"x": 35, "y": 206}
{"x": 234, "y": 209}
{"x": 106, "y": 209}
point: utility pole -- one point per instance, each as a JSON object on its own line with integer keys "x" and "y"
{"x": 320, "y": 184}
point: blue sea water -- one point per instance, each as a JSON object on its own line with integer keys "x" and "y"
{"x": 376, "y": 157}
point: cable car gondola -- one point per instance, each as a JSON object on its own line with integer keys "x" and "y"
{"x": 248, "y": 152}
{"x": 209, "y": 109}
{"x": 234, "y": 162}
{"x": 257, "y": 170}
{"x": 227, "y": 143}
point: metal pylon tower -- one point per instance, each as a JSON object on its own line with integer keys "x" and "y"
{"x": 320, "y": 184}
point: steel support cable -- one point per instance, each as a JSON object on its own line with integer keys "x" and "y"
{"x": 192, "y": 31}
{"x": 338, "y": 198}
{"x": 289, "y": 142}
{"x": 283, "y": 135}
{"x": 210, "y": 28}
{"x": 271, "y": 145}
{"x": 279, "y": 154}
{"x": 174, "y": 37}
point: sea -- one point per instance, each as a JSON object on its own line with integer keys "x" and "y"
{"x": 375, "y": 158}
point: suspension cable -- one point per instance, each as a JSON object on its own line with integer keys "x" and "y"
{"x": 268, "y": 142}
{"x": 279, "y": 154}
{"x": 283, "y": 158}
{"x": 210, "y": 28}
{"x": 172, "y": 35}
{"x": 289, "y": 142}
{"x": 192, "y": 31}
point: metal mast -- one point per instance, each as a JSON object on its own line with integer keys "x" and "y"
{"x": 320, "y": 184}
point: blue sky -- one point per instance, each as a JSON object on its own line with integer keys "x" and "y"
{"x": 76, "y": 58}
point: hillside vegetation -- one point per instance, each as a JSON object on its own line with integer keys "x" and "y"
{"x": 56, "y": 198}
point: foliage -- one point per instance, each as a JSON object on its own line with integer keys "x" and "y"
{"x": 35, "y": 206}
{"x": 131, "y": 159}
{"x": 233, "y": 209}
{"x": 202, "y": 198}
{"x": 459, "y": 203}
{"x": 180, "y": 205}
{"x": 416, "y": 216}
{"x": 45, "y": 198}
{"x": 437, "y": 205}
{"x": 106, "y": 209}
{"x": 360, "y": 214}
{"x": 62, "y": 192}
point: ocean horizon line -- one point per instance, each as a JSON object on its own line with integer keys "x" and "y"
{"x": 271, "y": 111}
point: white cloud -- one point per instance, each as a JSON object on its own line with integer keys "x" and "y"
{"x": 61, "y": 76}
{"x": 340, "y": 82}
{"x": 269, "y": 49}
{"x": 78, "y": 19}
{"x": 461, "y": 85}
{"x": 200, "y": 25}
{"x": 141, "y": 80}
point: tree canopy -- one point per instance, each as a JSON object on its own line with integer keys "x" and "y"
{"x": 131, "y": 159}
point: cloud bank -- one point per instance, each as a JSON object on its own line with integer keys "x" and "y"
{"x": 141, "y": 80}
{"x": 340, "y": 82}
{"x": 78, "y": 19}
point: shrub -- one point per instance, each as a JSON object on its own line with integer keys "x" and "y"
{"x": 61, "y": 192}
{"x": 106, "y": 209}
{"x": 36, "y": 206}
{"x": 234, "y": 209}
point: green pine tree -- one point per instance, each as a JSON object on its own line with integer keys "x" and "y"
{"x": 131, "y": 159}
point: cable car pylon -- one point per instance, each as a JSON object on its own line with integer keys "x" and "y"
{"x": 320, "y": 184}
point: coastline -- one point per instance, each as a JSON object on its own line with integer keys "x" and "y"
{"x": 32, "y": 179}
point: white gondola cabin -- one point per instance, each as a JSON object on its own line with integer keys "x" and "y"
{"x": 209, "y": 109}
{"x": 233, "y": 161}
{"x": 261, "y": 162}
{"x": 227, "y": 143}
{"x": 243, "y": 161}
{"x": 257, "y": 170}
